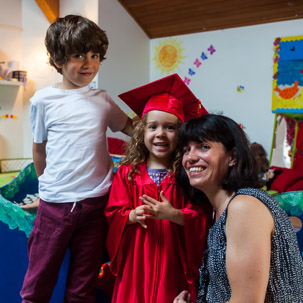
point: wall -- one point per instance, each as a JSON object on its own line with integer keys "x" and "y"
{"x": 127, "y": 59}
{"x": 88, "y": 9}
{"x": 11, "y": 102}
{"x": 39, "y": 72}
{"x": 127, "y": 63}
{"x": 243, "y": 57}
{"x": 122, "y": 67}
{"x": 23, "y": 21}
{"x": 10, "y": 30}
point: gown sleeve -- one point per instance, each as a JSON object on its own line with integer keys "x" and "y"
{"x": 197, "y": 221}
{"x": 116, "y": 212}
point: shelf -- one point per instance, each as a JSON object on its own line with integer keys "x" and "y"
{"x": 11, "y": 83}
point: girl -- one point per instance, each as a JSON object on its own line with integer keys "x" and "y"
{"x": 156, "y": 237}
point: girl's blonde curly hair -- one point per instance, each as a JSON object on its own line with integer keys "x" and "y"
{"x": 136, "y": 151}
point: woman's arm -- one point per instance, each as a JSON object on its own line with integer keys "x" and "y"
{"x": 249, "y": 229}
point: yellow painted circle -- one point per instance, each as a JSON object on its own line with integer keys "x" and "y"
{"x": 168, "y": 56}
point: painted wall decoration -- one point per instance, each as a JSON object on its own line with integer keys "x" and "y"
{"x": 287, "y": 96}
{"x": 198, "y": 62}
{"x": 8, "y": 117}
{"x": 240, "y": 88}
{"x": 168, "y": 55}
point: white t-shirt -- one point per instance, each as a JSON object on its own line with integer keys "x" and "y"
{"x": 74, "y": 124}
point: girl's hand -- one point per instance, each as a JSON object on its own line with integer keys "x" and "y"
{"x": 183, "y": 297}
{"x": 159, "y": 210}
{"x": 138, "y": 215}
{"x": 162, "y": 210}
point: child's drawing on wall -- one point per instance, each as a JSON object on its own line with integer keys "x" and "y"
{"x": 288, "y": 75}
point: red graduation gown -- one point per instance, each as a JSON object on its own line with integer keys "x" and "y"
{"x": 153, "y": 265}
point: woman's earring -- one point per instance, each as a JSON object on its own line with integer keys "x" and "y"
{"x": 233, "y": 163}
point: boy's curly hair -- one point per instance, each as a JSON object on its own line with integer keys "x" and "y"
{"x": 136, "y": 151}
{"x": 74, "y": 34}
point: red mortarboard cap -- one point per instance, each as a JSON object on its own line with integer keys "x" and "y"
{"x": 169, "y": 94}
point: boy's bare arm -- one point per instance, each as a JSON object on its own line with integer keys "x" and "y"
{"x": 129, "y": 126}
{"x": 39, "y": 156}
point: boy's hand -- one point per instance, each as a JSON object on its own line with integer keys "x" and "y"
{"x": 31, "y": 206}
{"x": 129, "y": 126}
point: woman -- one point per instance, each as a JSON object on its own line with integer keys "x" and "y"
{"x": 252, "y": 254}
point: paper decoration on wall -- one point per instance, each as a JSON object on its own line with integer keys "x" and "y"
{"x": 168, "y": 55}
{"x": 131, "y": 115}
{"x": 240, "y": 88}
{"x": 211, "y": 49}
{"x": 8, "y": 117}
{"x": 198, "y": 62}
{"x": 287, "y": 96}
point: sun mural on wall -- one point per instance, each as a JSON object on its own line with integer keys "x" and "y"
{"x": 168, "y": 55}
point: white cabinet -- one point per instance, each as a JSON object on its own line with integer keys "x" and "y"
{"x": 11, "y": 119}
{"x": 10, "y": 83}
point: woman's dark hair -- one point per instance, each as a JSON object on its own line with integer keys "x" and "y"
{"x": 74, "y": 34}
{"x": 218, "y": 128}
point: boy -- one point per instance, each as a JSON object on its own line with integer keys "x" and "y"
{"x": 69, "y": 124}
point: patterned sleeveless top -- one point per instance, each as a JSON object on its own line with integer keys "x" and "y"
{"x": 286, "y": 266}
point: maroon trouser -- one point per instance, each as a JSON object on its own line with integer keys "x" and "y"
{"x": 82, "y": 228}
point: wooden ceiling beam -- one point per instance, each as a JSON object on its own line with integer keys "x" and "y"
{"x": 164, "y": 18}
{"x": 50, "y": 8}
